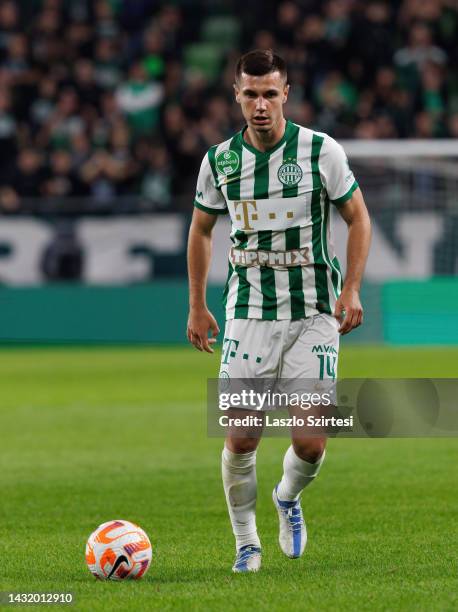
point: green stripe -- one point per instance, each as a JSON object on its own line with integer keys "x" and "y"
{"x": 334, "y": 273}
{"x": 211, "y": 211}
{"x": 346, "y": 196}
{"x": 233, "y": 187}
{"x": 261, "y": 192}
{"x": 296, "y": 292}
{"x": 336, "y": 265}
{"x": 290, "y": 154}
{"x": 226, "y": 286}
{"x": 261, "y": 176}
{"x": 269, "y": 295}
{"x": 240, "y": 239}
{"x": 292, "y": 234}
{"x": 320, "y": 266}
{"x": 243, "y": 294}
{"x": 211, "y": 161}
{"x": 243, "y": 290}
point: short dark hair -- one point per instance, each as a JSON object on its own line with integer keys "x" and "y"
{"x": 260, "y": 62}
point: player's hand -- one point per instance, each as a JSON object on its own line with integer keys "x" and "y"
{"x": 348, "y": 310}
{"x": 200, "y": 322}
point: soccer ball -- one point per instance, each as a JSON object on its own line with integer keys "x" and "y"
{"x": 118, "y": 550}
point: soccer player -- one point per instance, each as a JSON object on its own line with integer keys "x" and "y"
{"x": 284, "y": 297}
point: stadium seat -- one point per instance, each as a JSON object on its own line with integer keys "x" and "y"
{"x": 223, "y": 31}
{"x": 205, "y": 58}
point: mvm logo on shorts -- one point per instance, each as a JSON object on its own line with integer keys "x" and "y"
{"x": 270, "y": 259}
{"x": 324, "y": 348}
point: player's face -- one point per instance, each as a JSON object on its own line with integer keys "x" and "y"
{"x": 262, "y": 99}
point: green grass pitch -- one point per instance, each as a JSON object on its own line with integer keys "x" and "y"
{"x": 89, "y": 435}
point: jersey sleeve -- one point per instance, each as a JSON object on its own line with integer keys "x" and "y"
{"x": 208, "y": 197}
{"x": 336, "y": 173}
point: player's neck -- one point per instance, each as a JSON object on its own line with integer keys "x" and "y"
{"x": 263, "y": 141}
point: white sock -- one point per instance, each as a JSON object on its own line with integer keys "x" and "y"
{"x": 297, "y": 474}
{"x": 240, "y": 487}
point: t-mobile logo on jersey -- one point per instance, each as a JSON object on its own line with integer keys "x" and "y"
{"x": 245, "y": 213}
{"x": 230, "y": 347}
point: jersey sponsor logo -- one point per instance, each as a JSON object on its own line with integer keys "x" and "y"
{"x": 227, "y": 162}
{"x": 324, "y": 348}
{"x": 246, "y": 205}
{"x": 290, "y": 173}
{"x": 119, "y": 560}
{"x": 270, "y": 259}
{"x": 224, "y": 180}
{"x": 230, "y": 346}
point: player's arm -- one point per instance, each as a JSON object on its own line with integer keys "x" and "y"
{"x": 355, "y": 215}
{"x": 200, "y": 320}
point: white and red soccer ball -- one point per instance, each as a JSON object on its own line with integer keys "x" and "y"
{"x": 118, "y": 550}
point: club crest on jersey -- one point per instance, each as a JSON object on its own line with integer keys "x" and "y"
{"x": 227, "y": 162}
{"x": 289, "y": 173}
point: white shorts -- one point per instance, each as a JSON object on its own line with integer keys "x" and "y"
{"x": 300, "y": 349}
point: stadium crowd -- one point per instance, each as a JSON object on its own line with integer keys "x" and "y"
{"x": 110, "y": 98}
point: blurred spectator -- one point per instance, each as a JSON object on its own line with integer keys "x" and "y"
{"x": 424, "y": 125}
{"x": 337, "y": 24}
{"x": 63, "y": 122}
{"x": 8, "y": 129}
{"x": 17, "y": 62}
{"x": 61, "y": 181}
{"x": 9, "y": 200}
{"x": 44, "y": 103}
{"x": 80, "y": 150}
{"x": 26, "y": 174}
{"x": 420, "y": 49}
{"x": 106, "y": 25}
{"x": 288, "y": 15}
{"x": 433, "y": 94}
{"x": 170, "y": 24}
{"x": 453, "y": 126}
{"x": 108, "y": 72}
{"x": 86, "y": 87}
{"x": 109, "y": 171}
{"x": 336, "y": 93}
{"x": 9, "y": 25}
{"x": 311, "y": 34}
{"x": 139, "y": 100}
{"x": 372, "y": 37}
{"x": 153, "y": 62}
{"x": 157, "y": 180}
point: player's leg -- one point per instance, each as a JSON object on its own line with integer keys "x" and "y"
{"x": 312, "y": 357}
{"x": 240, "y": 488}
{"x": 249, "y": 350}
{"x": 301, "y": 464}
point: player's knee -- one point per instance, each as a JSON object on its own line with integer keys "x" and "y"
{"x": 242, "y": 445}
{"x": 309, "y": 449}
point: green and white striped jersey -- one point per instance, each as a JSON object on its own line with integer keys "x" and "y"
{"x": 279, "y": 202}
